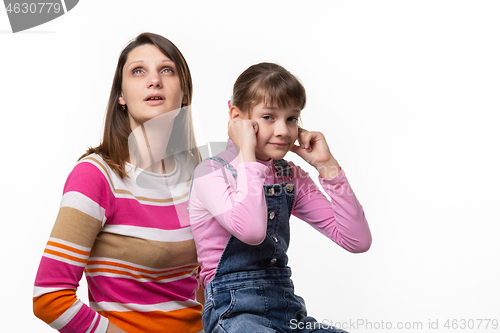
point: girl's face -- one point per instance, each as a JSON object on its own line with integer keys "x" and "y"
{"x": 150, "y": 85}
{"x": 278, "y": 130}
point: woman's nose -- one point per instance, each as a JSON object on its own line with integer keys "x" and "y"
{"x": 155, "y": 80}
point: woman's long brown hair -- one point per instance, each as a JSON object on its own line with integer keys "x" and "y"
{"x": 114, "y": 146}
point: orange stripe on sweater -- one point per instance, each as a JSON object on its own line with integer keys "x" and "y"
{"x": 51, "y": 306}
{"x": 69, "y": 248}
{"x": 186, "y": 320}
{"x": 63, "y": 255}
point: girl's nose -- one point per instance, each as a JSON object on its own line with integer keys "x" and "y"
{"x": 281, "y": 129}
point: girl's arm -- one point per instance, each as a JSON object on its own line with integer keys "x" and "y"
{"x": 315, "y": 151}
{"x": 343, "y": 219}
{"x": 238, "y": 204}
{"x": 86, "y": 201}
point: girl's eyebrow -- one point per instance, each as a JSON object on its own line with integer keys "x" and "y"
{"x": 274, "y": 108}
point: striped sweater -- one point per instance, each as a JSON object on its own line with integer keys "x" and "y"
{"x": 132, "y": 239}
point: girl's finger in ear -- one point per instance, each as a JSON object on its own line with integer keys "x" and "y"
{"x": 305, "y": 139}
{"x": 300, "y": 140}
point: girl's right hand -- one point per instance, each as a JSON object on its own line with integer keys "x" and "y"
{"x": 243, "y": 134}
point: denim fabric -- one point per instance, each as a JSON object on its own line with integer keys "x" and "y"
{"x": 252, "y": 290}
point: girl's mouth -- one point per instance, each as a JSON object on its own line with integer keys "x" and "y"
{"x": 279, "y": 144}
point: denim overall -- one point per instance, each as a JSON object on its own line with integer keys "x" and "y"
{"x": 252, "y": 290}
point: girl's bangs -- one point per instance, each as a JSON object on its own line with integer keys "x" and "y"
{"x": 281, "y": 96}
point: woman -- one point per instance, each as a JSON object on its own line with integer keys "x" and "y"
{"x": 123, "y": 217}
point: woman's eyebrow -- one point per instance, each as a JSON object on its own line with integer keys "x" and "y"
{"x": 142, "y": 61}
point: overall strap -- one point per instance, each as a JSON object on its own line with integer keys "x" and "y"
{"x": 225, "y": 164}
{"x": 217, "y": 159}
{"x": 283, "y": 168}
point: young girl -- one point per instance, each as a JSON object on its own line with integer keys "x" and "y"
{"x": 241, "y": 201}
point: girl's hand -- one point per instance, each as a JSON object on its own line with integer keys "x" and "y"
{"x": 315, "y": 151}
{"x": 243, "y": 134}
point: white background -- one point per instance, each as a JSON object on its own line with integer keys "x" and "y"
{"x": 406, "y": 92}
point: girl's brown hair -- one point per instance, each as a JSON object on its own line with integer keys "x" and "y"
{"x": 268, "y": 83}
{"x": 114, "y": 146}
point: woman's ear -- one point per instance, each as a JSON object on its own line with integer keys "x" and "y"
{"x": 235, "y": 112}
{"x": 121, "y": 100}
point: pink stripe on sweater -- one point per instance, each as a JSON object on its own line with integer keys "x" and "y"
{"x": 54, "y": 274}
{"x": 132, "y": 213}
{"x": 110, "y": 289}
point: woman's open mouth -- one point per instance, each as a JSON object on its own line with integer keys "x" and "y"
{"x": 155, "y": 99}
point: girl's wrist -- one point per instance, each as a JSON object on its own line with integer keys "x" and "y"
{"x": 246, "y": 154}
{"x": 329, "y": 169}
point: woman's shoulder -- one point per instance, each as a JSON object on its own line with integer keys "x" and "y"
{"x": 91, "y": 172}
{"x": 92, "y": 164}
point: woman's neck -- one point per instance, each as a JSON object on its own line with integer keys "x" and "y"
{"x": 148, "y": 144}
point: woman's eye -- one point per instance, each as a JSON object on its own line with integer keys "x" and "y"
{"x": 167, "y": 70}
{"x": 138, "y": 71}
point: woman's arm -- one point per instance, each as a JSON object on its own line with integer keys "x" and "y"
{"x": 112, "y": 328}
{"x": 200, "y": 294}
{"x": 86, "y": 202}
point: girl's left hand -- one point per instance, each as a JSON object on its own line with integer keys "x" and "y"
{"x": 315, "y": 151}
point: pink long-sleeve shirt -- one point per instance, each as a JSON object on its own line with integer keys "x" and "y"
{"x": 221, "y": 206}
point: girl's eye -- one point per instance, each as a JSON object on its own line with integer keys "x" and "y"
{"x": 267, "y": 117}
{"x": 138, "y": 71}
{"x": 293, "y": 119}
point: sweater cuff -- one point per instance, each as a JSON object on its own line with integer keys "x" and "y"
{"x": 335, "y": 180}
{"x": 102, "y": 327}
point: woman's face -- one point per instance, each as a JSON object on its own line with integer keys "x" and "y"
{"x": 150, "y": 86}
